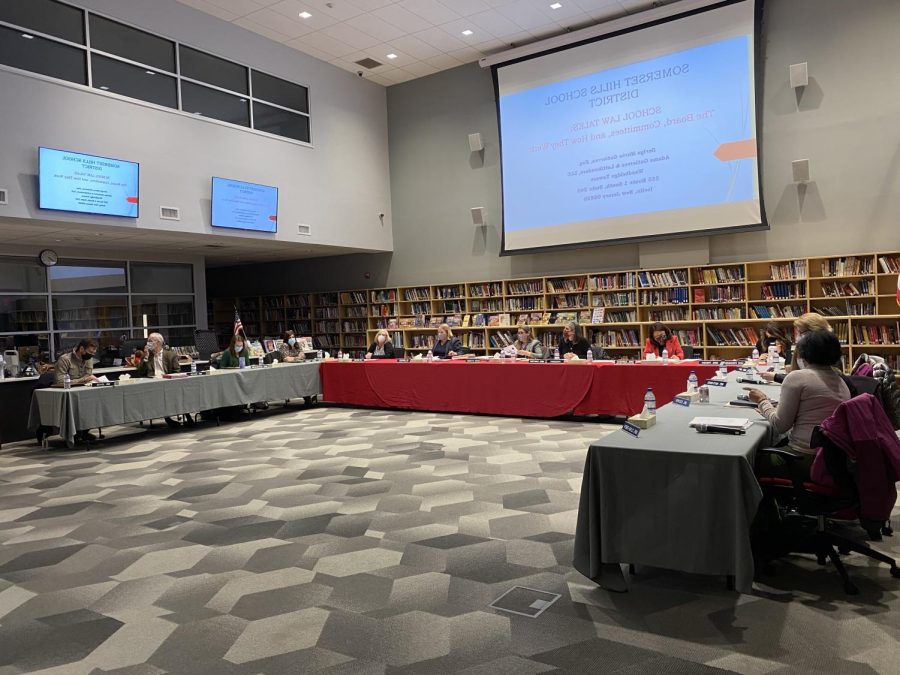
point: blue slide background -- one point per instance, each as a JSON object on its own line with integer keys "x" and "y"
{"x": 244, "y": 206}
{"x": 537, "y": 191}
{"x": 67, "y": 185}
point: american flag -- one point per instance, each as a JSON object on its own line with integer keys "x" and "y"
{"x": 238, "y": 326}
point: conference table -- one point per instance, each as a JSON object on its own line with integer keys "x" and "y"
{"x": 506, "y": 386}
{"x": 83, "y": 408}
{"x": 671, "y": 497}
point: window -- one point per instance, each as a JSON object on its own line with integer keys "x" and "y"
{"x": 134, "y": 81}
{"x": 42, "y": 56}
{"x": 161, "y": 278}
{"x": 90, "y": 277}
{"x": 45, "y": 16}
{"x": 280, "y": 122}
{"x": 23, "y": 313}
{"x": 280, "y": 92}
{"x": 131, "y": 43}
{"x": 216, "y": 104}
{"x": 212, "y": 70}
{"x": 156, "y": 311}
{"x": 18, "y": 275}
{"x": 84, "y": 312}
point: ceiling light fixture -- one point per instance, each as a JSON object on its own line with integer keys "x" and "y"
{"x": 150, "y": 72}
{"x": 467, "y": 32}
{"x": 556, "y": 5}
{"x": 305, "y": 15}
{"x": 392, "y": 56}
{"x": 27, "y": 36}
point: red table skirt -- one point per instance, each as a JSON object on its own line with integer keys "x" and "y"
{"x": 515, "y": 388}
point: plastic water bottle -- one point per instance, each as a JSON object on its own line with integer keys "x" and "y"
{"x": 340, "y": 355}
{"x": 650, "y": 401}
{"x": 692, "y": 382}
{"x": 755, "y": 355}
{"x": 67, "y": 382}
{"x": 665, "y": 355}
{"x": 773, "y": 354}
{"x": 723, "y": 369}
{"x": 319, "y": 354}
{"x": 590, "y": 355}
{"x": 193, "y": 367}
{"x": 242, "y": 362}
{"x": 556, "y": 353}
{"x": 430, "y": 356}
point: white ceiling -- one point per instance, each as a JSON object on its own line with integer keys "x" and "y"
{"x": 425, "y": 35}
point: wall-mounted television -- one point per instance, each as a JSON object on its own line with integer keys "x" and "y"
{"x": 244, "y": 206}
{"x": 71, "y": 181}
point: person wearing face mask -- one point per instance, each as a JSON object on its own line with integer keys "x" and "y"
{"x": 290, "y": 348}
{"x": 77, "y": 364}
{"x": 774, "y": 336}
{"x": 572, "y": 344}
{"x": 382, "y": 347}
{"x": 157, "y": 360}
{"x": 446, "y": 346}
{"x": 231, "y": 357}
{"x": 662, "y": 338}
{"x": 526, "y": 345}
{"x": 803, "y": 325}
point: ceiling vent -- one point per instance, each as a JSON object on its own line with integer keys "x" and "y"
{"x": 369, "y": 63}
{"x": 4, "y": 197}
{"x": 169, "y": 213}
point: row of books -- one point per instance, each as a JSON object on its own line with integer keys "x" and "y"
{"x": 884, "y": 334}
{"x": 296, "y": 301}
{"x": 672, "y": 296}
{"x": 382, "y": 310}
{"x": 382, "y": 296}
{"x": 619, "y": 299}
{"x": 664, "y": 278}
{"x": 622, "y": 337}
{"x": 569, "y": 301}
{"x": 296, "y": 315}
{"x": 847, "y": 309}
{"x": 719, "y": 294}
{"x": 326, "y": 327}
{"x": 354, "y": 327}
{"x": 793, "y": 269}
{"x": 785, "y": 290}
{"x": 849, "y": 266}
{"x": 689, "y": 336}
{"x": 325, "y": 341}
{"x": 454, "y": 306}
{"x": 416, "y": 294}
{"x": 326, "y": 313}
{"x": 355, "y": 312}
{"x": 273, "y": 302}
{"x": 717, "y": 313}
{"x": 776, "y": 311}
{"x": 732, "y": 337}
{"x": 719, "y": 275}
{"x": 666, "y": 315}
{"x": 327, "y": 299}
{"x": 524, "y": 287}
{"x": 889, "y": 264}
{"x": 836, "y": 289}
{"x": 490, "y": 305}
{"x": 486, "y": 290}
{"x": 566, "y": 285}
{"x": 353, "y": 298}
{"x": 443, "y": 292}
{"x": 526, "y": 303}
{"x": 618, "y": 316}
{"x": 354, "y": 341}
{"x": 608, "y": 282}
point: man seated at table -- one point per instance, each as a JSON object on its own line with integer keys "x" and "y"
{"x": 661, "y": 338}
{"x": 572, "y": 344}
{"x": 78, "y": 364}
{"x": 158, "y": 361}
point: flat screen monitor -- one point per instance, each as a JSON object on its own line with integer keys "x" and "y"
{"x": 71, "y": 181}
{"x": 244, "y": 206}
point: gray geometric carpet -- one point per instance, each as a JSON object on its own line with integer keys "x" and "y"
{"x": 355, "y": 541}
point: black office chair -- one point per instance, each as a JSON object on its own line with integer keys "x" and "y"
{"x": 599, "y": 353}
{"x": 688, "y": 351}
{"x": 128, "y": 347}
{"x": 807, "y": 500}
{"x": 206, "y": 343}
{"x": 399, "y": 352}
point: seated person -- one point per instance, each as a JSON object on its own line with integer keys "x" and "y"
{"x": 806, "y": 398}
{"x": 382, "y": 347}
{"x": 774, "y": 336}
{"x": 77, "y": 364}
{"x": 446, "y": 346}
{"x": 290, "y": 348}
{"x": 572, "y": 344}
{"x": 156, "y": 360}
{"x": 231, "y": 357}
{"x": 803, "y": 324}
{"x": 662, "y": 338}
{"x": 526, "y": 345}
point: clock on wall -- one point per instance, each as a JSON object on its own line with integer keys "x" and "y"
{"x": 49, "y": 258}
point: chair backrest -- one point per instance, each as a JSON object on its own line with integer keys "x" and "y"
{"x": 836, "y": 460}
{"x": 206, "y": 343}
{"x": 688, "y": 351}
{"x": 271, "y": 356}
{"x": 399, "y": 352}
{"x": 598, "y": 352}
{"x": 128, "y": 347}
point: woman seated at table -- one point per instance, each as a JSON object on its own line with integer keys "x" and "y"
{"x": 662, "y": 338}
{"x": 806, "y": 398}
{"x": 774, "y": 336}
{"x": 805, "y": 323}
{"x": 382, "y": 347}
{"x": 526, "y": 345}
{"x": 446, "y": 346}
{"x": 290, "y": 348}
{"x": 572, "y": 344}
{"x": 237, "y": 349}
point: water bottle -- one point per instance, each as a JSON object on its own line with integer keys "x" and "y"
{"x": 556, "y": 353}
{"x": 755, "y": 355}
{"x": 340, "y": 355}
{"x": 319, "y": 354}
{"x": 429, "y": 356}
{"x": 2, "y": 368}
{"x": 590, "y": 355}
{"x": 193, "y": 367}
{"x": 665, "y": 355}
{"x": 242, "y": 362}
{"x": 773, "y": 354}
{"x": 67, "y": 382}
{"x": 692, "y": 382}
{"x": 723, "y": 369}
{"x": 650, "y": 401}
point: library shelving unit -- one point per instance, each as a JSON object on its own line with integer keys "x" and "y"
{"x": 716, "y": 309}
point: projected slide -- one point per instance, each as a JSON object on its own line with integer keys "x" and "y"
{"x": 244, "y": 206}
{"x": 651, "y": 147}
{"x": 70, "y": 181}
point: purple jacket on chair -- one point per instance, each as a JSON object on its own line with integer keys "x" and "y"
{"x": 862, "y": 429}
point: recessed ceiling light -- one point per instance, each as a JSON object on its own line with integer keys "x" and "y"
{"x": 150, "y": 72}
{"x": 392, "y": 56}
{"x": 27, "y": 36}
{"x": 556, "y": 5}
{"x": 305, "y": 15}
{"x": 467, "y": 32}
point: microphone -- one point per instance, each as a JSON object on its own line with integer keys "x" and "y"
{"x": 713, "y": 429}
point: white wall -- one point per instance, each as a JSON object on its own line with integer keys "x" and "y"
{"x": 339, "y": 186}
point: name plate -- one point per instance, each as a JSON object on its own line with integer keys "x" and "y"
{"x": 706, "y": 362}
{"x": 682, "y": 400}
{"x": 103, "y": 384}
{"x": 744, "y": 369}
{"x": 629, "y": 428}
{"x": 717, "y": 383}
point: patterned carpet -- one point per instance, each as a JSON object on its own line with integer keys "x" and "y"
{"x": 353, "y": 541}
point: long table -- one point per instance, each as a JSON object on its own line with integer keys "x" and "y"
{"x": 82, "y": 408}
{"x": 515, "y": 388}
{"x": 671, "y": 497}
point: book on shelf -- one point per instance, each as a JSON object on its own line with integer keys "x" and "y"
{"x": 836, "y": 289}
{"x": 844, "y": 267}
{"x": 621, "y": 316}
{"x": 504, "y": 319}
{"x": 720, "y": 275}
{"x": 454, "y": 320}
{"x": 479, "y": 320}
{"x": 467, "y": 318}
{"x": 889, "y": 264}
{"x": 884, "y": 334}
{"x": 671, "y": 296}
{"x": 717, "y": 313}
{"x": 614, "y": 281}
{"x": 732, "y": 337}
{"x": 776, "y": 311}
{"x": 663, "y": 278}
{"x": 435, "y": 321}
{"x": 793, "y": 269}
{"x": 416, "y": 294}
{"x": 680, "y": 314}
{"x": 566, "y": 285}
{"x": 598, "y": 315}
{"x": 614, "y": 299}
{"x": 407, "y": 322}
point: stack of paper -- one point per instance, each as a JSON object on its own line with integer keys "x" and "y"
{"x": 736, "y": 423}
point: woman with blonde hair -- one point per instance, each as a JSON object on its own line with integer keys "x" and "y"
{"x": 381, "y": 347}
{"x": 446, "y": 346}
{"x": 526, "y": 345}
{"x": 803, "y": 324}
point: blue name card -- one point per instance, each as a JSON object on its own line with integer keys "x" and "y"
{"x": 682, "y": 400}
{"x": 629, "y": 428}
{"x": 717, "y": 383}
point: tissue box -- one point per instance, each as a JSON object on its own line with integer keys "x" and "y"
{"x": 694, "y": 396}
{"x": 642, "y": 422}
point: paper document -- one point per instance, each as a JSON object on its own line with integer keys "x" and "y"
{"x": 726, "y": 422}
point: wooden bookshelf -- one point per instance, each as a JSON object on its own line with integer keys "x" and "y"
{"x": 700, "y": 304}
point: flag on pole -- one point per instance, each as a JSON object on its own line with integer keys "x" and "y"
{"x": 238, "y": 326}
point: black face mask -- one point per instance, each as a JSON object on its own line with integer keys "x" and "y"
{"x": 86, "y": 356}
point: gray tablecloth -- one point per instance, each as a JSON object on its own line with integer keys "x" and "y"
{"x": 673, "y": 498}
{"x": 83, "y": 408}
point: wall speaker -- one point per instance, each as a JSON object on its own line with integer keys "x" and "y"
{"x": 475, "y": 142}
{"x": 477, "y": 215}
{"x": 799, "y": 75}
{"x": 800, "y": 169}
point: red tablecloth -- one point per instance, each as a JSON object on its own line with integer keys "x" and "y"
{"x": 518, "y": 389}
